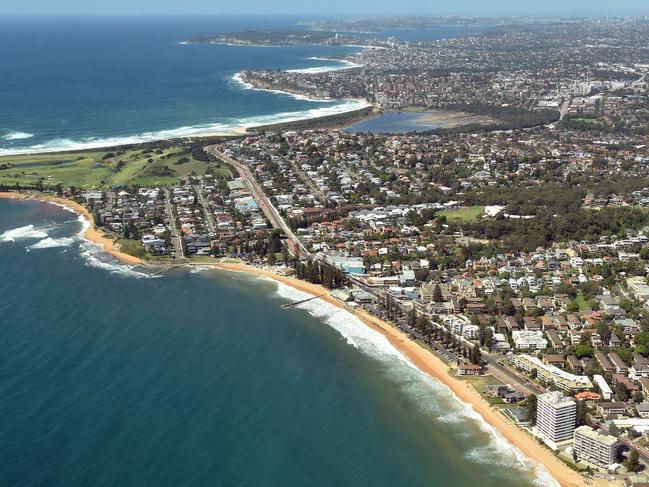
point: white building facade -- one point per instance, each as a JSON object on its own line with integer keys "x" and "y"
{"x": 555, "y": 417}
{"x": 595, "y": 447}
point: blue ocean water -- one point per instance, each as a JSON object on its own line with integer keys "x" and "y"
{"x": 109, "y": 377}
{"x": 69, "y": 83}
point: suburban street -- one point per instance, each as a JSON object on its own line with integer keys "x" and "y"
{"x": 262, "y": 201}
{"x": 175, "y": 235}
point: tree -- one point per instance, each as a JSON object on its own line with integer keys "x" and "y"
{"x": 626, "y": 304}
{"x": 530, "y": 406}
{"x": 412, "y": 317}
{"x": 488, "y": 341}
{"x": 604, "y": 332}
{"x": 614, "y": 430}
{"x": 476, "y": 355}
{"x": 584, "y": 350}
{"x": 621, "y": 392}
{"x": 437, "y": 294}
{"x": 580, "y": 419}
{"x": 423, "y": 324}
{"x": 632, "y": 463}
{"x": 642, "y": 350}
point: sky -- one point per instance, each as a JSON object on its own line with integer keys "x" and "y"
{"x": 329, "y": 7}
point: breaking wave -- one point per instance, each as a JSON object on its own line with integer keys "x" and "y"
{"x": 228, "y": 126}
{"x": 238, "y": 82}
{"x": 341, "y": 64}
{"x": 50, "y": 243}
{"x": 94, "y": 256}
{"x": 13, "y": 135}
{"x": 27, "y": 232}
{"x": 432, "y": 395}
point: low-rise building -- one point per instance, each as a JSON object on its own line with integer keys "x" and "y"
{"x": 604, "y": 389}
{"x": 550, "y": 374}
{"x": 469, "y": 369}
{"x": 529, "y": 340}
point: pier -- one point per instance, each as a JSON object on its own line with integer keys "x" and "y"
{"x": 295, "y": 303}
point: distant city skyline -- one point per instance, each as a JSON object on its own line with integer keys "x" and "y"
{"x": 332, "y": 7}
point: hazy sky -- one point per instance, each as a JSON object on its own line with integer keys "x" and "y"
{"x": 328, "y": 7}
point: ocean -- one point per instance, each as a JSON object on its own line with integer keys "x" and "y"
{"x": 74, "y": 83}
{"x": 112, "y": 377}
{"x": 69, "y": 83}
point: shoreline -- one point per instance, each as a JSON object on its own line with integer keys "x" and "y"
{"x": 205, "y": 133}
{"x": 423, "y": 359}
{"x": 92, "y": 233}
{"x": 431, "y": 365}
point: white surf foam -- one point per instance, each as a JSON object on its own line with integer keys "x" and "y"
{"x": 14, "y": 135}
{"x": 61, "y": 145}
{"x": 23, "y": 233}
{"x": 341, "y": 65}
{"x": 49, "y": 243}
{"x": 356, "y": 333}
{"x": 240, "y": 83}
{"x": 93, "y": 253}
{"x": 94, "y": 256}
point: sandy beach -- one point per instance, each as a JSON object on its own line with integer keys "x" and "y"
{"x": 92, "y": 233}
{"x": 428, "y": 363}
{"x": 421, "y": 357}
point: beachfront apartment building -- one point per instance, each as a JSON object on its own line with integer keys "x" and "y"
{"x": 555, "y": 418}
{"x": 594, "y": 447}
{"x": 529, "y": 340}
{"x": 550, "y": 374}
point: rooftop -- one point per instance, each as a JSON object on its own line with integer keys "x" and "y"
{"x": 589, "y": 432}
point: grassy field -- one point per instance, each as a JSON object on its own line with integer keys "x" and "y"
{"x": 465, "y": 214}
{"x": 581, "y": 301}
{"x": 131, "y": 247}
{"x": 100, "y": 168}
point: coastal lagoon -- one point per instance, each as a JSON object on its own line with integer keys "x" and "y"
{"x": 198, "y": 377}
{"x": 396, "y": 123}
{"x": 418, "y": 120}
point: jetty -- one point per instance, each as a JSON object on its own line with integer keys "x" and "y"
{"x": 295, "y": 303}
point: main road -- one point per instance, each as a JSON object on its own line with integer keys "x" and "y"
{"x": 270, "y": 212}
{"x": 206, "y": 211}
{"x": 176, "y": 239}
